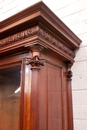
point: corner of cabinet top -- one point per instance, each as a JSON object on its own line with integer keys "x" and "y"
{"x": 38, "y": 25}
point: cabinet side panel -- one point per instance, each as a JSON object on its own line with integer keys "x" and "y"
{"x": 53, "y": 97}
{"x": 54, "y": 79}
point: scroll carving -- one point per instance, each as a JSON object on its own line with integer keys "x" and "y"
{"x": 42, "y": 33}
{"x": 35, "y": 62}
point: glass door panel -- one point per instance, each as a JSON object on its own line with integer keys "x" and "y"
{"x": 9, "y": 98}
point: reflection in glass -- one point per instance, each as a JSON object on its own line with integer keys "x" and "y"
{"x": 9, "y": 98}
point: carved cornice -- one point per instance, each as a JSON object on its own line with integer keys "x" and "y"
{"x": 40, "y": 32}
{"x": 55, "y": 42}
{"x": 19, "y": 36}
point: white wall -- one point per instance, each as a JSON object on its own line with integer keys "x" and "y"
{"x": 74, "y": 14}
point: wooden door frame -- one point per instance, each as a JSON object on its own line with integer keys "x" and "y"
{"x": 16, "y": 61}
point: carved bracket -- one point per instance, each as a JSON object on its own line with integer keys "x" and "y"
{"x": 35, "y": 62}
{"x": 69, "y": 73}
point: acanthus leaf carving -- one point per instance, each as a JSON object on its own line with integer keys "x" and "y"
{"x": 19, "y": 36}
{"x": 55, "y": 42}
{"x": 35, "y": 62}
{"x": 42, "y": 33}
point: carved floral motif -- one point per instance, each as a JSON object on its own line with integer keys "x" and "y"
{"x": 37, "y": 30}
{"x": 19, "y": 36}
{"x": 35, "y": 61}
{"x": 55, "y": 42}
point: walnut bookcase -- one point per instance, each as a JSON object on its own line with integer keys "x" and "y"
{"x": 44, "y": 47}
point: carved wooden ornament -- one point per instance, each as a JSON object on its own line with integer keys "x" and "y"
{"x": 33, "y": 24}
{"x": 35, "y": 61}
{"x": 34, "y": 37}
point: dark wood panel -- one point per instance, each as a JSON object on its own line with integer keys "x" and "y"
{"x": 54, "y": 85}
{"x": 42, "y": 99}
{"x": 36, "y": 34}
{"x": 9, "y": 98}
{"x": 27, "y": 97}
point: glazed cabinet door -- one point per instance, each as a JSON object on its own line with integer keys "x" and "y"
{"x": 10, "y": 97}
{"x": 15, "y": 82}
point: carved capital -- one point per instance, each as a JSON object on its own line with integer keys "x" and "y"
{"x": 35, "y": 62}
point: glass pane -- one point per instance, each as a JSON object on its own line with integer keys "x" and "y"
{"x": 9, "y": 98}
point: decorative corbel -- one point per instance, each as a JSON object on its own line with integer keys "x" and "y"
{"x": 35, "y": 61}
{"x": 69, "y": 72}
{"x": 69, "y": 96}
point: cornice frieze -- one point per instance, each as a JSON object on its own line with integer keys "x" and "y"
{"x": 42, "y": 33}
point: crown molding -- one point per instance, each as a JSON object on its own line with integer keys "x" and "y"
{"x": 35, "y": 22}
{"x": 36, "y": 30}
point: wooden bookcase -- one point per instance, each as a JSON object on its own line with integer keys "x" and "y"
{"x": 37, "y": 51}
